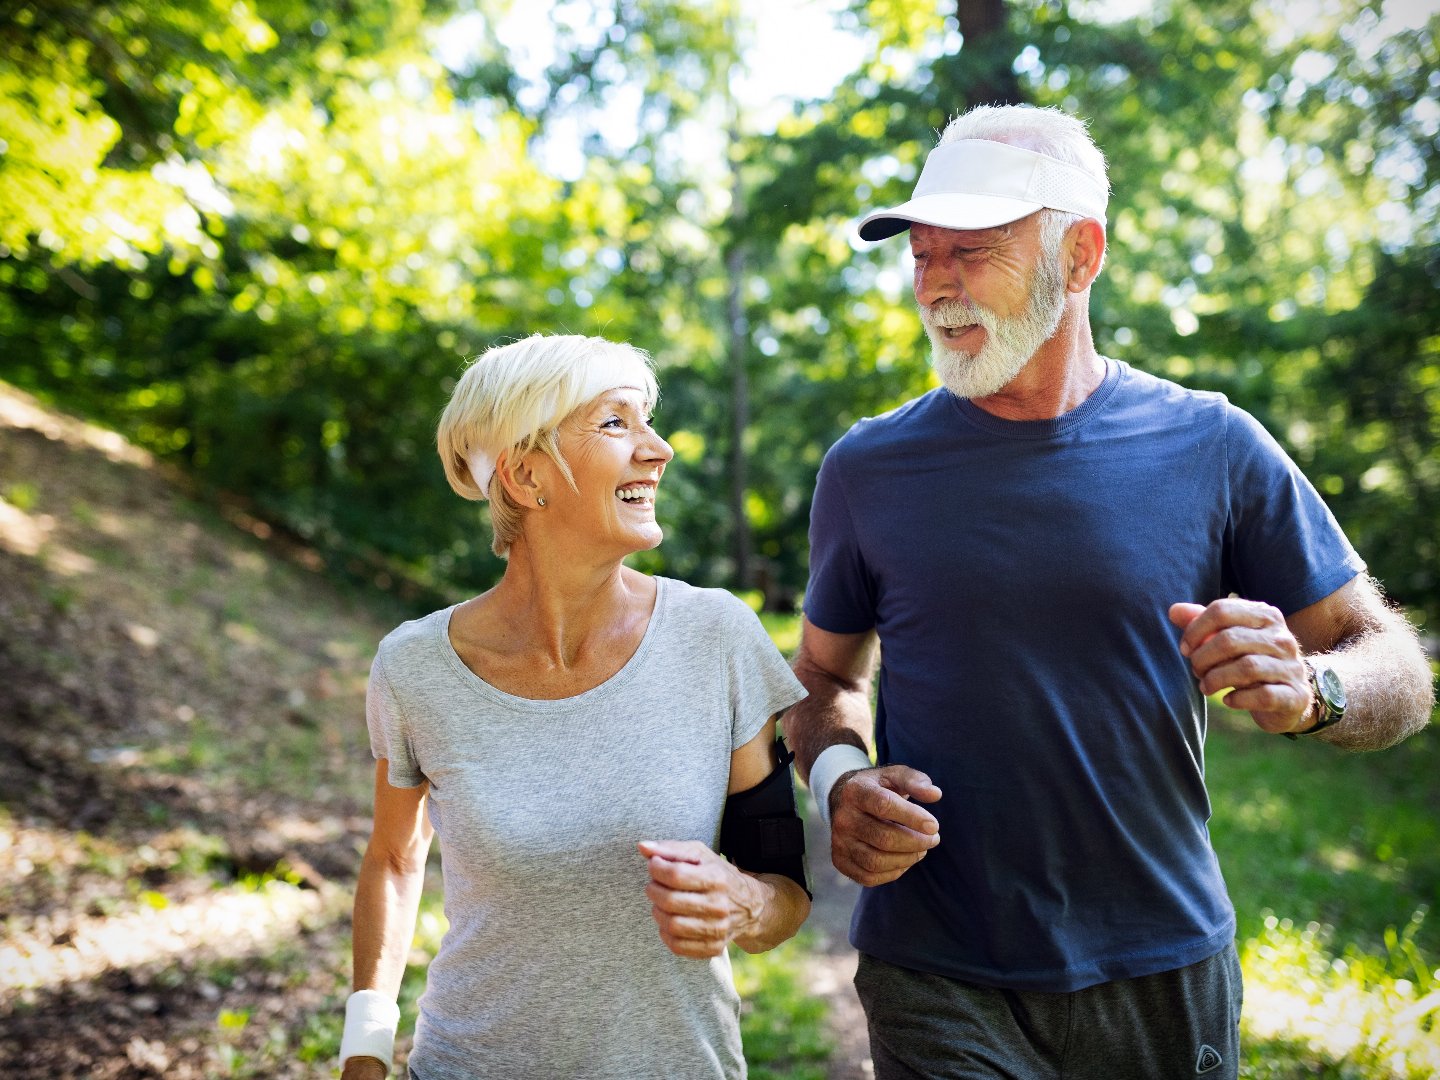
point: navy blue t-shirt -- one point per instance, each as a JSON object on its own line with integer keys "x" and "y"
{"x": 1019, "y": 576}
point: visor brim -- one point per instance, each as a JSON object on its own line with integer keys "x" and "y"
{"x": 946, "y": 211}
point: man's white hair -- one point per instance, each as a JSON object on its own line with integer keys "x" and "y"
{"x": 1049, "y": 131}
{"x": 1052, "y": 132}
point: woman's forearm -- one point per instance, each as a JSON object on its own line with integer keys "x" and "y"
{"x": 781, "y": 908}
{"x": 387, "y": 899}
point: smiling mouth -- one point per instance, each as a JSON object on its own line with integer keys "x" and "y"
{"x": 956, "y": 331}
{"x": 636, "y": 495}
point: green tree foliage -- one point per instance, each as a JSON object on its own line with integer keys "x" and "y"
{"x": 263, "y": 238}
{"x": 1272, "y": 226}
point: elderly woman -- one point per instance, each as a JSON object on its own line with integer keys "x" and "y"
{"x": 582, "y": 737}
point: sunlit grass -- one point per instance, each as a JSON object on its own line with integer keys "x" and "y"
{"x": 781, "y": 1022}
{"x": 783, "y": 627}
{"x": 1332, "y": 860}
{"x": 1355, "y": 1016}
{"x": 1313, "y": 834}
{"x": 784, "y": 630}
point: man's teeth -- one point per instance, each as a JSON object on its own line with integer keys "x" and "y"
{"x": 635, "y": 494}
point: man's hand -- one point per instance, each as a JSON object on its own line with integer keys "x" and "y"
{"x": 1247, "y": 645}
{"x": 699, "y": 900}
{"x": 876, "y": 831}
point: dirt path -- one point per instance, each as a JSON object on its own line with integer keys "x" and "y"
{"x": 832, "y": 967}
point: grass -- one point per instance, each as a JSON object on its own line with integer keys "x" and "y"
{"x": 1357, "y": 1016}
{"x": 781, "y": 1022}
{"x": 1314, "y": 834}
{"x": 1333, "y": 862}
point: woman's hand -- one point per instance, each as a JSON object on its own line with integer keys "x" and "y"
{"x": 699, "y": 900}
{"x": 363, "y": 1068}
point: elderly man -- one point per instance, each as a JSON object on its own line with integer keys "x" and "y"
{"x": 1060, "y": 556}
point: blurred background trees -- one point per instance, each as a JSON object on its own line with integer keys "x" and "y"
{"x": 262, "y": 238}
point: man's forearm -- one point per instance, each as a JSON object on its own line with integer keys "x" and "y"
{"x": 831, "y": 714}
{"x": 1387, "y": 683}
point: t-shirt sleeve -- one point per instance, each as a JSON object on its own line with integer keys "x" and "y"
{"x": 840, "y": 596}
{"x": 761, "y": 682}
{"x": 1283, "y": 546}
{"x": 389, "y": 739}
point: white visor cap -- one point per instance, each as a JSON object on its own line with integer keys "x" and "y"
{"x": 979, "y": 184}
{"x": 608, "y": 371}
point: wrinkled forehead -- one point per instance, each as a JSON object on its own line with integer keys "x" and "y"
{"x": 921, "y": 233}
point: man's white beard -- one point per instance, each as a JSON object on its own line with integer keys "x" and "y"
{"x": 1010, "y": 342}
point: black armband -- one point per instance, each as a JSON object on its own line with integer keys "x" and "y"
{"x": 761, "y": 830}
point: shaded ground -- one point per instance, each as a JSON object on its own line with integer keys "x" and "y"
{"x": 152, "y": 924}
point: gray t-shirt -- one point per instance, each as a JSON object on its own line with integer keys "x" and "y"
{"x": 552, "y": 966}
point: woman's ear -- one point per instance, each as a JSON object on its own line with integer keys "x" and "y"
{"x": 518, "y": 477}
{"x": 1085, "y": 244}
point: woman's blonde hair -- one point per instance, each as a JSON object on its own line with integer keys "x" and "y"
{"x": 512, "y": 399}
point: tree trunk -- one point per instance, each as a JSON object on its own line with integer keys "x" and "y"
{"x": 989, "y": 65}
{"x": 739, "y": 391}
{"x": 737, "y": 337}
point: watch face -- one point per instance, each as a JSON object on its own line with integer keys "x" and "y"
{"x": 1331, "y": 688}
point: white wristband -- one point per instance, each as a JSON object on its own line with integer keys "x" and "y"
{"x": 834, "y": 762}
{"x": 370, "y": 1022}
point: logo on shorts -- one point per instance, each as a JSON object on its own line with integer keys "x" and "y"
{"x": 1208, "y": 1060}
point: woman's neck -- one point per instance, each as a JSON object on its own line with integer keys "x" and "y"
{"x": 561, "y": 611}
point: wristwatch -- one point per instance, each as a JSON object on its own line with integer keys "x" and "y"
{"x": 1330, "y": 698}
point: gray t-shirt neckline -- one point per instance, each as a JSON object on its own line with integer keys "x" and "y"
{"x": 584, "y": 700}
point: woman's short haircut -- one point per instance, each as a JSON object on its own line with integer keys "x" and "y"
{"x": 511, "y": 401}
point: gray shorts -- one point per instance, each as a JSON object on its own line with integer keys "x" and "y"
{"x": 1183, "y": 1023}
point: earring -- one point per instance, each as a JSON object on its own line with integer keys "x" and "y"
{"x": 540, "y": 500}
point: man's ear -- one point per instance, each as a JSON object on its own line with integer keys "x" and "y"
{"x": 517, "y": 475}
{"x": 1085, "y": 253}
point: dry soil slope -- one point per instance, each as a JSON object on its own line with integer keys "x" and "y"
{"x": 181, "y": 722}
